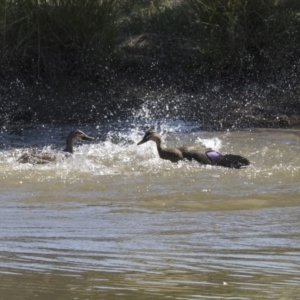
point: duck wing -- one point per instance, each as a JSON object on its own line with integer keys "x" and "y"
{"x": 195, "y": 153}
{"x": 172, "y": 154}
{"x": 40, "y": 157}
{"x": 34, "y": 159}
{"x": 207, "y": 156}
{"x": 233, "y": 161}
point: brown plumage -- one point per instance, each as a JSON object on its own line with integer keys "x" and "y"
{"x": 205, "y": 156}
{"x": 39, "y": 157}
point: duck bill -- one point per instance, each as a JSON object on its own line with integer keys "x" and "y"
{"x": 87, "y": 138}
{"x": 142, "y": 142}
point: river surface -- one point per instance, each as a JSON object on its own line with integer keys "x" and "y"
{"x": 116, "y": 222}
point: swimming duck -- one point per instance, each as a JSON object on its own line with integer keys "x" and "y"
{"x": 201, "y": 154}
{"x": 40, "y": 157}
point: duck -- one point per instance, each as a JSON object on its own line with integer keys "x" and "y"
{"x": 39, "y": 157}
{"x": 201, "y": 154}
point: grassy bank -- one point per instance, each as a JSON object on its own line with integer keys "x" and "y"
{"x": 81, "y": 57}
{"x": 52, "y": 39}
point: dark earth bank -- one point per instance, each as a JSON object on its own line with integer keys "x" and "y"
{"x": 214, "y": 105}
{"x": 154, "y": 82}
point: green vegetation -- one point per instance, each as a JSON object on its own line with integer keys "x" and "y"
{"x": 49, "y": 38}
{"x": 76, "y": 39}
{"x": 249, "y": 36}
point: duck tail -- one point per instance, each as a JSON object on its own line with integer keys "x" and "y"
{"x": 233, "y": 161}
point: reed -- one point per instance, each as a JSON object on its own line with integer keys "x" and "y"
{"x": 54, "y": 39}
{"x": 156, "y": 16}
{"x": 247, "y": 36}
{"x": 50, "y": 38}
{"x": 221, "y": 37}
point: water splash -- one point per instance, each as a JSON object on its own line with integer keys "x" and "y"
{"x": 115, "y": 153}
{"x": 214, "y": 143}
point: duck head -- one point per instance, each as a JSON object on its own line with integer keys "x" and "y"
{"x": 150, "y": 135}
{"x": 76, "y": 135}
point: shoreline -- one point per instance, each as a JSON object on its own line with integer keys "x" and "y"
{"x": 214, "y": 105}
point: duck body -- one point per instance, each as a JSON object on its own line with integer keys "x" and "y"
{"x": 198, "y": 154}
{"x": 201, "y": 154}
{"x": 172, "y": 154}
{"x": 41, "y": 157}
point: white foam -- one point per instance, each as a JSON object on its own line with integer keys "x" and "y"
{"x": 214, "y": 143}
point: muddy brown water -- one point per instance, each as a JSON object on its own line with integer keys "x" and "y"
{"x": 115, "y": 221}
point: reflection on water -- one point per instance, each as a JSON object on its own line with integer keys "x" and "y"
{"x": 116, "y": 221}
